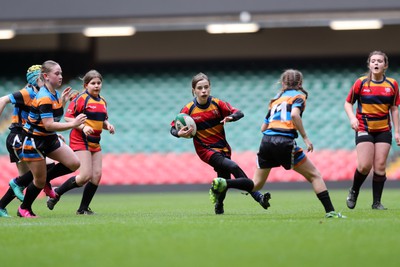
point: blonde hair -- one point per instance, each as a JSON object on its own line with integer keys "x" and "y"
{"x": 47, "y": 66}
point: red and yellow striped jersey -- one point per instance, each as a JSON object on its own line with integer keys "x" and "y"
{"x": 95, "y": 109}
{"x": 374, "y": 100}
{"x": 210, "y": 137}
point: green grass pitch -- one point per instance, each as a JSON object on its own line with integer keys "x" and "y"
{"x": 180, "y": 229}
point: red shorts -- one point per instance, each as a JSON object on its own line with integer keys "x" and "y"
{"x": 79, "y": 142}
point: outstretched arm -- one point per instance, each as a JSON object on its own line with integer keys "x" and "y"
{"x": 3, "y": 102}
{"x": 233, "y": 117}
{"x": 264, "y": 127}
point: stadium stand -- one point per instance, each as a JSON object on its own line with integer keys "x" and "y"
{"x": 142, "y": 104}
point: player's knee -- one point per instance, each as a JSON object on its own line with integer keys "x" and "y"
{"x": 380, "y": 168}
{"x": 364, "y": 169}
{"x": 74, "y": 165}
{"x": 236, "y": 170}
{"x": 83, "y": 178}
{"x": 39, "y": 183}
{"x": 314, "y": 176}
{"x": 87, "y": 177}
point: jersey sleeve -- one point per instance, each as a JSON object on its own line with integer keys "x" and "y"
{"x": 396, "y": 97}
{"x": 75, "y": 107}
{"x": 13, "y": 97}
{"x": 226, "y": 108}
{"x": 19, "y": 97}
{"x": 300, "y": 102}
{"x": 70, "y": 110}
{"x": 106, "y": 109}
{"x": 354, "y": 92}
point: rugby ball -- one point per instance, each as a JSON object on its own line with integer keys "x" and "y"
{"x": 182, "y": 120}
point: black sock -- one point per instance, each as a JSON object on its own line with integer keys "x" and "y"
{"x": 88, "y": 193}
{"x": 25, "y": 179}
{"x": 30, "y": 195}
{"x": 241, "y": 183}
{"x": 257, "y": 196}
{"x": 58, "y": 170}
{"x": 50, "y": 166}
{"x": 378, "y": 182}
{"x": 326, "y": 201}
{"x": 66, "y": 186}
{"x": 7, "y": 198}
{"x": 358, "y": 180}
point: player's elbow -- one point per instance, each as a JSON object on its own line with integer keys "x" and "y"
{"x": 296, "y": 116}
{"x": 4, "y": 100}
{"x": 264, "y": 127}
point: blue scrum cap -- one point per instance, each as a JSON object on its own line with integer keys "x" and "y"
{"x": 33, "y": 74}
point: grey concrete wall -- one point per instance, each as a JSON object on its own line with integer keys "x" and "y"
{"x": 73, "y": 9}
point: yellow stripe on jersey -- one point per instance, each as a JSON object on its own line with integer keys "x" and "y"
{"x": 96, "y": 125}
{"x": 375, "y": 108}
{"x": 377, "y": 125}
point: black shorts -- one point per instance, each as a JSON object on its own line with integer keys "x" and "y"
{"x": 36, "y": 148}
{"x": 277, "y": 150}
{"x": 14, "y": 145}
{"x": 378, "y": 137}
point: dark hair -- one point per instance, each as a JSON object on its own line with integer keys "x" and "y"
{"x": 198, "y": 77}
{"x": 291, "y": 79}
{"x": 91, "y": 75}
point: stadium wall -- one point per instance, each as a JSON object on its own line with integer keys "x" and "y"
{"x": 91, "y": 9}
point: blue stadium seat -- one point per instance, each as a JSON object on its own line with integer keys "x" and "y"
{"x": 142, "y": 104}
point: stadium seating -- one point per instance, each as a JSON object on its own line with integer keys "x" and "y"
{"x": 142, "y": 103}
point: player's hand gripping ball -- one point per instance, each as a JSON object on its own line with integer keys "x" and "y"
{"x": 182, "y": 120}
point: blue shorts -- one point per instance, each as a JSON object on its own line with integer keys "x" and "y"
{"x": 278, "y": 150}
